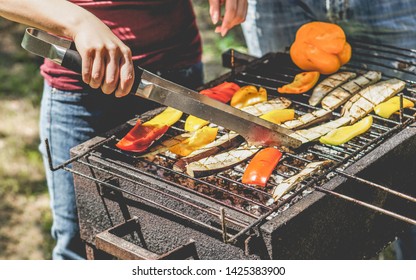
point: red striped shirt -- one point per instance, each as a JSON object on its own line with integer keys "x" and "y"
{"x": 162, "y": 34}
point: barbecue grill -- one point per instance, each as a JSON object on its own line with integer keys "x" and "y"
{"x": 133, "y": 207}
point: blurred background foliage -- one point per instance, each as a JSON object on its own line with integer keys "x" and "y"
{"x": 25, "y": 216}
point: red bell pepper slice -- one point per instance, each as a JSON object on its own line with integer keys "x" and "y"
{"x": 222, "y": 92}
{"x": 261, "y": 167}
{"x": 141, "y": 137}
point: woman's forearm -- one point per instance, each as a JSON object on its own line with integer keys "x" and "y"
{"x": 60, "y": 17}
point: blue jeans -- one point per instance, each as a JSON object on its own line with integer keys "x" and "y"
{"x": 67, "y": 120}
{"x": 271, "y": 25}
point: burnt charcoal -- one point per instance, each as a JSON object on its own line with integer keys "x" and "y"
{"x": 309, "y": 157}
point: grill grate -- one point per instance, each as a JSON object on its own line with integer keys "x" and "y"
{"x": 248, "y": 206}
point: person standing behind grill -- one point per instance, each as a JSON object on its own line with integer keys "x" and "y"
{"x": 160, "y": 36}
{"x": 271, "y": 26}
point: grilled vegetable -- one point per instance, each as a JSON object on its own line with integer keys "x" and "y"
{"x": 222, "y": 92}
{"x": 219, "y": 162}
{"x": 199, "y": 139}
{"x": 386, "y": 109}
{"x": 165, "y": 145}
{"x": 247, "y": 96}
{"x": 308, "y": 119}
{"x": 278, "y": 116}
{"x": 261, "y": 167}
{"x": 142, "y": 136}
{"x": 288, "y": 184}
{"x": 264, "y": 107}
{"x": 193, "y": 123}
{"x": 168, "y": 117}
{"x": 344, "y": 134}
{"x": 329, "y": 84}
{"x": 320, "y": 46}
{"x": 314, "y": 133}
{"x": 364, "y": 101}
{"x": 302, "y": 83}
{"x": 340, "y": 95}
{"x": 220, "y": 145}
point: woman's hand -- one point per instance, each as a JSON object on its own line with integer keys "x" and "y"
{"x": 106, "y": 60}
{"x": 235, "y": 13}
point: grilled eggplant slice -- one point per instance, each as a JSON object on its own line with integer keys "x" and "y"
{"x": 308, "y": 119}
{"x": 288, "y": 184}
{"x": 329, "y": 84}
{"x": 220, "y": 162}
{"x": 341, "y": 94}
{"x": 225, "y": 142}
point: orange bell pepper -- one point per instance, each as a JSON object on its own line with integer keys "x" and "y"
{"x": 142, "y": 136}
{"x": 302, "y": 83}
{"x": 320, "y": 46}
{"x": 222, "y": 92}
{"x": 261, "y": 167}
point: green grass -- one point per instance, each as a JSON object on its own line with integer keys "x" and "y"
{"x": 21, "y": 80}
{"x": 24, "y": 209}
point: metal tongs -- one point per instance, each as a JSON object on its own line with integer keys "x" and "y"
{"x": 147, "y": 85}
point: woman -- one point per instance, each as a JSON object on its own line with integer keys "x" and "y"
{"x": 159, "y": 35}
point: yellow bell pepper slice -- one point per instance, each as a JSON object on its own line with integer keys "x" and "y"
{"x": 198, "y": 140}
{"x": 344, "y": 134}
{"x": 247, "y": 96}
{"x": 168, "y": 117}
{"x": 193, "y": 123}
{"x": 386, "y": 109}
{"x": 279, "y": 116}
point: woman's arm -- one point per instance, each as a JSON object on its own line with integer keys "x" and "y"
{"x": 106, "y": 60}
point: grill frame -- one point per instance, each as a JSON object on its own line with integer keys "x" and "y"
{"x": 271, "y": 234}
{"x": 279, "y": 237}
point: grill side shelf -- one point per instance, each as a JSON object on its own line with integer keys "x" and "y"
{"x": 111, "y": 242}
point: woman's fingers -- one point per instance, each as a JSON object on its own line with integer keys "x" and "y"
{"x": 98, "y": 68}
{"x": 87, "y": 60}
{"x": 109, "y": 82}
{"x": 126, "y": 75}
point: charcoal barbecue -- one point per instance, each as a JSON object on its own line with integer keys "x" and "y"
{"x": 131, "y": 207}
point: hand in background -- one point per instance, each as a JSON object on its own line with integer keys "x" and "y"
{"x": 235, "y": 12}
